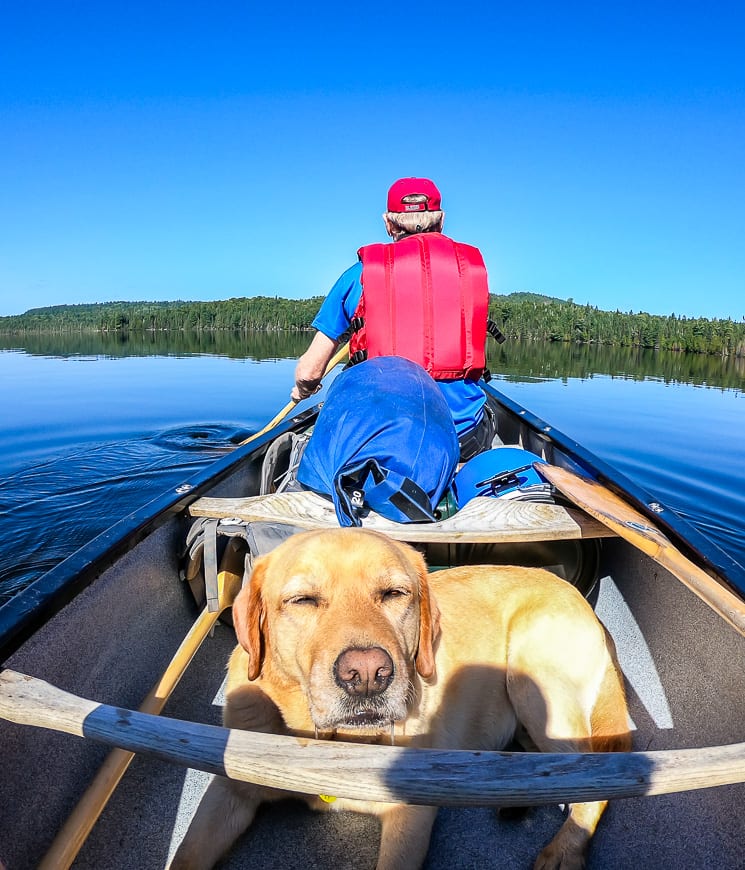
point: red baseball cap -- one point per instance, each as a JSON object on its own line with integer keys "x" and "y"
{"x": 410, "y": 187}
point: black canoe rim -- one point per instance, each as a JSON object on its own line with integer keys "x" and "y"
{"x": 692, "y": 543}
{"x": 27, "y": 611}
{"x": 33, "y": 606}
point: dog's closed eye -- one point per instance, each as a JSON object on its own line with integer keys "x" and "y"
{"x": 393, "y": 593}
{"x": 302, "y": 600}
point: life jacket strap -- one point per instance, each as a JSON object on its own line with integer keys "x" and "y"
{"x": 495, "y": 332}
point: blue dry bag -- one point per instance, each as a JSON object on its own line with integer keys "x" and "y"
{"x": 384, "y": 441}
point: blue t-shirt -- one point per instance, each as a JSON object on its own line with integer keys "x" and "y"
{"x": 465, "y": 398}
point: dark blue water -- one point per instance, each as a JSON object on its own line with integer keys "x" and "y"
{"x": 84, "y": 439}
{"x": 683, "y": 443}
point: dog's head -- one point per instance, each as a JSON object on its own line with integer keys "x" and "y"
{"x": 347, "y": 616}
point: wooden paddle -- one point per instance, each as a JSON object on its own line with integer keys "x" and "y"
{"x": 439, "y": 777}
{"x": 627, "y": 522}
{"x": 338, "y": 357}
{"x": 73, "y": 834}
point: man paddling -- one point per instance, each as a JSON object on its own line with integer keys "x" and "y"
{"x": 423, "y": 297}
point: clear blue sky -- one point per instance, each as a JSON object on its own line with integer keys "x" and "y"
{"x": 593, "y": 151}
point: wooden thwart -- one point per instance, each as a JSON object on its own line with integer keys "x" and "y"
{"x": 482, "y": 520}
{"x": 382, "y": 773}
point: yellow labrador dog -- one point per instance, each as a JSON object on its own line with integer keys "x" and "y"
{"x": 344, "y": 634}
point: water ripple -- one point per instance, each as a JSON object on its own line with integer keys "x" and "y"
{"x": 57, "y": 506}
{"x": 211, "y": 437}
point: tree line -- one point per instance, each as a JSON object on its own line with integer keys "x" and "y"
{"x": 529, "y": 317}
{"x": 245, "y": 313}
{"x": 524, "y": 316}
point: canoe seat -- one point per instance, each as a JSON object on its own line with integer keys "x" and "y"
{"x": 482, "y": 520}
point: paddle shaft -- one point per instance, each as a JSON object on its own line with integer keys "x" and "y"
{"x": 338, "y": 357}
{"x": 73, "y": 834}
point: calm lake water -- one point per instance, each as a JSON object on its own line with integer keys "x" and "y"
{"x": 94, "y": 427}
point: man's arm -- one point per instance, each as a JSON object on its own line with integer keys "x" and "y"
{"x": 312, "y": 365}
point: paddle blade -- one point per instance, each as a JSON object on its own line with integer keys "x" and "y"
{"x": 611, "y": 510}
{"x": 631, "y": 525}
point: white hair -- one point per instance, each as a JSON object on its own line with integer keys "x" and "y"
{"x": 410, "y": 222}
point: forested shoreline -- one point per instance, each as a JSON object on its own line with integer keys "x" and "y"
{"x": 524, "y": 316}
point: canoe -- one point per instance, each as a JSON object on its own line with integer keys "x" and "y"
{"x": 114, "y": 630}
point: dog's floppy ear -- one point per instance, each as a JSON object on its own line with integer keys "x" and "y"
{"x": 429, "y": 625}
{"x": 248, "y": 618}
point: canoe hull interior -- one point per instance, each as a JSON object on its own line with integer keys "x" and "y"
{"x": 686, "y": 683}
{"x": 685, "y": 671}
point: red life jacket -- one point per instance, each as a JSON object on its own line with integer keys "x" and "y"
{"x": 425, "y": 298}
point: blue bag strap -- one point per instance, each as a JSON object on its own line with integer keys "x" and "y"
{"x": 404, "y": 494}
{"x": 370, "y": 484}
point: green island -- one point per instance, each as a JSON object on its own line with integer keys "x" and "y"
{"x": 520, "y": 316}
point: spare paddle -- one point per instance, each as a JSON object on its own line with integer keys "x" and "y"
{"x": 627, "y": 522}
{"x": 73, "y": 834}
{"x": 338, "y": 357}
{"x": 70, "y": 838}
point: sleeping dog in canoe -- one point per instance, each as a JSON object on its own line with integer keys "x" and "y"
{"x": 343, "y": 632}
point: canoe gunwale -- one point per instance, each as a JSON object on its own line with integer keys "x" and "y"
{"x": 35, "y": 605}
{"x": 361, "y": 771}
{"x": 27, "y": 611}
{"x": 692, "y": 543}
{"x": 169, "y": 513}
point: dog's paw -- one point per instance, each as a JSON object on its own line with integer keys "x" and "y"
{"x": 557, "y": 858}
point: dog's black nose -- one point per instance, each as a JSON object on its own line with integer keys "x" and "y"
{"x": 364, "y": 672}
